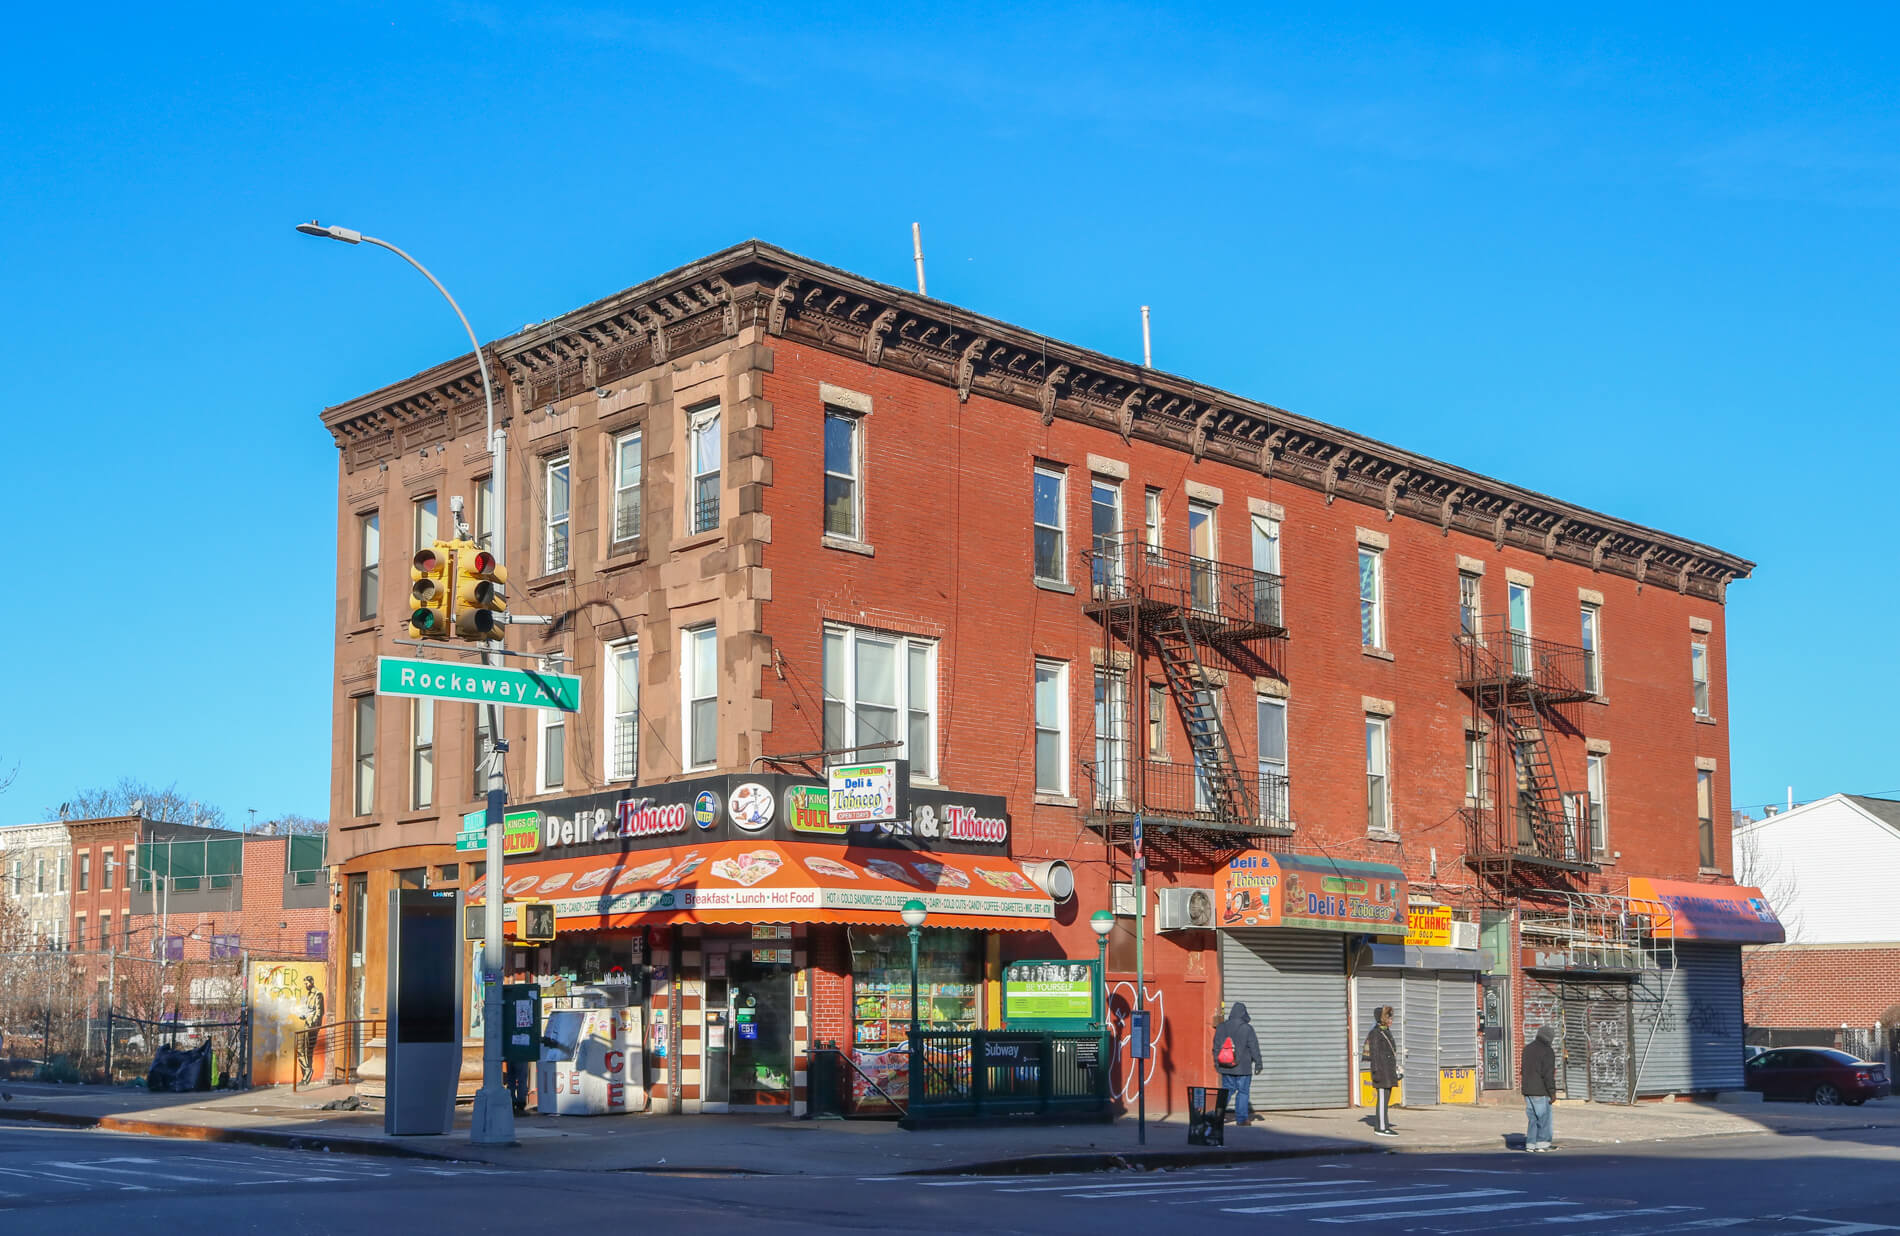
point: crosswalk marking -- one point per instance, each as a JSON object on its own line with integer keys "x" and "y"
{"x": 1483, "y": 1208}
{"x": 1238, "y": 1186}
{"x": 1364, "y": 1201}
{"x": 1592, "y": 1216}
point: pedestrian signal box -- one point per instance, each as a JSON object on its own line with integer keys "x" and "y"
{"x": 534, "y": 922}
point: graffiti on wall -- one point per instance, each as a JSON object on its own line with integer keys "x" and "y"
{"x": 287, "y": 1002}
{"x": 1121, "y": 1002}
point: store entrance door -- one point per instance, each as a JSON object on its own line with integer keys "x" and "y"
{"x": 748, "y": 1026}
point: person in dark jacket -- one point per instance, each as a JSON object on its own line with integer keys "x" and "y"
{"x": 1384, "y": 1055}
{"x": 1539, "y": 1077}
{"x": 1237, "y": 1059}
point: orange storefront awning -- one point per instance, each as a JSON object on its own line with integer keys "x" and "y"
{"x": 1684, "y": 910}
{"x": 778, "y": 882}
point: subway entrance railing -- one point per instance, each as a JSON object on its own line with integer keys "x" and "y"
{"x": 1030, "y": 1075}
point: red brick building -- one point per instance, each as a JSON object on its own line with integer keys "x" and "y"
{"x": 1396, "y": 732}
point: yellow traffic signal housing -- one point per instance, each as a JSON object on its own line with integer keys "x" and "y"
{"x": 429, "y": 594}
{"x": 534, "y": 923}
{"x": 479, "y": 603}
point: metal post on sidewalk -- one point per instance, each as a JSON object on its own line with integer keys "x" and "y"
{"x": 1140, "y": 1036}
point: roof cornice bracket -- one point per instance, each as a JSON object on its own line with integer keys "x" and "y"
{"x": 1392, "y": 489}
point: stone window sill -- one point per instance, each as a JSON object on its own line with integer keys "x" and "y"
{"x": 552, "y": 579}
{"x": 1383, "y": 654}
{"x": 1702, "y": 720}
{"x": 1710, "y": 871}
{"x": 418, "y": 817}
{"x": 1054, "y": 800}
{"x": 1382, "y": 834}
{"x": 366, "y": 627}
{"x": 361, "y": 821}
{"x": 697, "y": 539}
{"x": 1053, "y": 585}
{"x": 623, "y": 554}
{"x": 848, "y": 545}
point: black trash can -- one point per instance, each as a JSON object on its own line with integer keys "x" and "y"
{"x": 1207, "y": 1115}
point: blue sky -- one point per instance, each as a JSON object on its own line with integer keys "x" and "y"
{"x": 1646, "y": 263}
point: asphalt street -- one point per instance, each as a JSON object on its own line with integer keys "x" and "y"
{"x": 61, "y": 1180}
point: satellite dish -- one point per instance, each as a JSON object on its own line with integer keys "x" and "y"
{"x": 138, "y": 806}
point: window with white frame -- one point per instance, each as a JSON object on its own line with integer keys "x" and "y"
{"x": 1378, "y": 787}
{"x": 1477, "y": 768}
{"x": 1271, "y": 724}
{"x": 105, "y": 870}
{"x": 1052, "y": 727}
{"x": 1592, "y": 652}
{"x": 702, "y": 436}
{"x": 629, "y": 466}
{"x": 369, "y": 542}
{"x": 422, "y": 754}
{"x": 699, "y": 687}
{"x": 1699, "y": 677}
{"x": 485, "y": 511}
{"x": 559, "y": 503}
{"x": 1203, "y": 549}
{"x": 14, "y": 885}
{"x": 843, "y": 494}
{"x": 1049, "y": 525}
{"x": 1594, "y": 779}
{"x": 478, "y": 756}
{"x": 39, "y": 877}
{"x": 364, "y": 748}
{"x": 1157, "y": 719}
{"x": 623, "y": 711}
{"x": 880, "y": 687}
{"x": 63, "y": 861}
{"x": 85, "y": 871}
{"x": 1151, "y": 525}
{"x": 1105, "y": 525}
{"x": 1705, "y": 816}
{"x": 1111, "y": 737}
{"x": 1517, "y": 616}
{"x": 1470, "y": 602}
{"x": 424, "y": 523}
{"x": 551, "y": 768}
{"x": 1371, "y": 597}
{"x": 1266, "y": 565}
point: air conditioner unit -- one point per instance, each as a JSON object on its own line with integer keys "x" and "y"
{"x": 1465, "y": 935}
{"x": 1184, "y": 909}
{"x": 1123, "y": 896}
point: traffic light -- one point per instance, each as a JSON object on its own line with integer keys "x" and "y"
{"x": 536, "y": 922}
{"x": 429, "y": 595}
{"x": 479, "y": 603}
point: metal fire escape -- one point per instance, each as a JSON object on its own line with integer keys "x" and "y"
{"x": 1530, "y": 835}
{"x": 1195, "y": 617}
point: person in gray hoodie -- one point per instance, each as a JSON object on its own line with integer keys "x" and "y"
{"x": 1539, "y": 1078}
{"x": 1237, "y": 1059}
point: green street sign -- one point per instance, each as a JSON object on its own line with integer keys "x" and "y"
{"x": 520, "y": 832}
{"x": 482, "y": 684}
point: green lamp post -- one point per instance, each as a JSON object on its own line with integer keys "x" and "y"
{"x": 914, "y": 913}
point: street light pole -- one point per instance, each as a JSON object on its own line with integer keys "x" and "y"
{"x": 493, "y": 1121}
{"x": 914, "y": 914}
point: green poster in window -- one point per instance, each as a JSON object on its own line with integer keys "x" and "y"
{"x": 1051, "y": 995}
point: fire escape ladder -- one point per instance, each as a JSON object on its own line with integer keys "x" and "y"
{"x": 1228, "y": 794}
{"x": 1539, "y": 797}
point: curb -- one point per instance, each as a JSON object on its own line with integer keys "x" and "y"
{"x": 231, "y": 1136}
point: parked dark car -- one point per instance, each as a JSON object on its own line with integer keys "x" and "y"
{"x": 1818, "y": 1074}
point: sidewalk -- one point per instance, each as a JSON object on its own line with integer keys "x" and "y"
{"x": 767, "y": 1144}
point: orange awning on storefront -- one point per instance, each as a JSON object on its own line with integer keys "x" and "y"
{"x": 1684, "y": 910}
{"x": 777, "y": 882}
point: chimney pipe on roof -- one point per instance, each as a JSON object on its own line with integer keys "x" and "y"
{"x": 917, "y": 252}
{"x": 1147, "y": 346}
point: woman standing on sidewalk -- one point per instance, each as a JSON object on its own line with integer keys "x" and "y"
{"x": 1384, "y": 1054}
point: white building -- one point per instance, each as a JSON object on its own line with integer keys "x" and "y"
{"x": 36, "y": 863}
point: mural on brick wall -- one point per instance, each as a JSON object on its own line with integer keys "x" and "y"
{"x": 287, "y": 1008}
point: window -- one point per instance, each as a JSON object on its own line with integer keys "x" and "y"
{"x": 1266, "y": 565}
{"x": 79, "y": 930}
{"x": 1599, "y": 818}
{"x": 226, "y": 947}
{"x": 1105, "y": 525}
{"x": 64, "y": 863}
{"x": 703, "y": 438}
{"x": 412, "y": 877}
{"x": 1705, "y": 815}
{"x": 700, "y": 688}
{"x": 1049, "y": 525}
{"x": 1151, "y": 528}
{"x": 558, "y": 503}
{"x": 551, "y": 771}
{"x": 1052, "y": 727}
{"x": 369, "y": 541}
{"x": 1518, "y": 617}
{"x": 484, "y": 744}
{"x": 85, "y": 871}
{"x": 1378, "y": 791}
{"x": 105, "y": 930}
{"x": 364, "y": 797}
{"x": 1274, "y": 808}
{"x": 1111, "y": 737}
{"x": 127, "y": 941}
{"x": 485, "y": 511}
{"x": 842, "y": 512}
{"x": 1371, "y": 598}
{"x": 1592, "y": 661}
{"x": 425, "y": 522}
{"x": 1699, "y": 675}
{"x": 1157, "y": 718}
{"x": 449, "y": 873}
{"x": 1207, "y": 710}
{"x": 1527, "y": 801}
{"x": 304, "y": 859}
{"x": 105, "y": 870}
{"x": 881, "y": 688}
{"x": 628, "y": 467}
{"x": 39, "y": 877}
{"x": 623, "y": 711}
{"x": 422, "y": 754}
{"x": 1470, "y": 602}
{"x": 1477, "y": 769}
{"x": 13, "y": 887}
{"x": 1203, "y": 546}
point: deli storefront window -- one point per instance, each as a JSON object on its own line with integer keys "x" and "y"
{"x": 949, "y": 991}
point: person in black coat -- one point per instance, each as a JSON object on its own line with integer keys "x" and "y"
{"x": 1237, "y": 1059}
{"x": 1384, "y": 1054}
{"x": 1538, "y": 1075}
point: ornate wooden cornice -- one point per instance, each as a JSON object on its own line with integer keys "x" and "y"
{"x": 794, "y": 297}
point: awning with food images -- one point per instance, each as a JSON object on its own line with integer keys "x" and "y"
{"x": 776, "y": 882}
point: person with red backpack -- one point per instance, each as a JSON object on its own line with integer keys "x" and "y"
{"x": 1237, "y": 1059}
